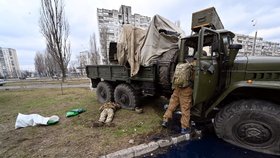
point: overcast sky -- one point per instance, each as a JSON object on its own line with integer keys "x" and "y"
{"x": 19, "y": 20}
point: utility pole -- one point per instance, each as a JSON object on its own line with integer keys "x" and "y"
{"x": 255, "y": 39}
{"x": 254, "y": 46}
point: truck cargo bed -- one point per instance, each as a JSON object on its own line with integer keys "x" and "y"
{"x": 120, "y": 73}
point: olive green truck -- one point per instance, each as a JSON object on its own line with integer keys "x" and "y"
{"x": 241, "y": 94}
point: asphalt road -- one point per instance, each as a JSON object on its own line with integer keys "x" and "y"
{"x": 205, "y": 145}
{"x": 210, "y": 147}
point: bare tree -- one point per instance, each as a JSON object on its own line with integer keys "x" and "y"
{"x": 104, "y": 43}
{"x": 82, "y": 60}
{"x": 72, "y": 68}
{"x": 40, "y": 66}
{"x": 52, "y": 66}
{"x": 178, "y": 23}
{"x": 26, "y": 73}
{"x": 2, "y": 75}
{"x": 94, "y": 56}
{"x": 55, "y": 28}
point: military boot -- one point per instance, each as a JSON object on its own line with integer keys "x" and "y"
{"x": 164, "y": 123}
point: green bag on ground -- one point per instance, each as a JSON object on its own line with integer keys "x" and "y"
{"x": 75, "y": 112}
{"x": 53, "y": 120}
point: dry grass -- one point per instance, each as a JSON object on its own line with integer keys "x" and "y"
{"x": 71, "y": 137}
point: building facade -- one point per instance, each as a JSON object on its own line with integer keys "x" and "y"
{"x": 110, "y": 22}
{"x": 262, "y": 48}
{"x": 9, "y": 66}
{"x": 86, "y": 58}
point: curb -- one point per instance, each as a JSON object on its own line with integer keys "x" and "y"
{"x": 146, "y": 148}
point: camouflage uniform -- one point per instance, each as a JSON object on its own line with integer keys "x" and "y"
{"x": 181, "y": 96}
{"x": 107, "y": 110}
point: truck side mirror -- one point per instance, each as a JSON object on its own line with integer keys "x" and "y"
{"x": 233, "y": 50}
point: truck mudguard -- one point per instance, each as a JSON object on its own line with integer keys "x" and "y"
{"x": 249, "y": 84}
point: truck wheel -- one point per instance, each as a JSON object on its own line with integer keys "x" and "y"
{"x": 125, "y": 96}
{"x": 104, "y": 92}
{"x": 164, "y": 70}
{"x": 251, "y": 124}
{"x": 163, "y": 75}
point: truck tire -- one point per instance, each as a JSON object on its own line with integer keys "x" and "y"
{"x": 164, "y": 75}
{"x": 164, "y": 69}
{"x": 251, "y": 124}
{"x": 104, "y": 92}
{"x": 125, "y": 96}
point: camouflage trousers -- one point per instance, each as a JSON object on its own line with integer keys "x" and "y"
{"x": 106, "y": 115}
{"x": 182, "y": 96}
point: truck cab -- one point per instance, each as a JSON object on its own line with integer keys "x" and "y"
{"x": 214, "y": 53}
{"x": 240, "y": 93}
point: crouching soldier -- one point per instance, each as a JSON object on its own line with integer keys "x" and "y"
{"x": 107, "y": 113}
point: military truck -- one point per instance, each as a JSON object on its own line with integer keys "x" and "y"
{"x": 239, "y": 93}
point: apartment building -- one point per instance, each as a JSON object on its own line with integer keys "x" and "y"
{"x": 110, "y": 22}
{"x": 262, "y": 47}
{"x": 9, "y": 66}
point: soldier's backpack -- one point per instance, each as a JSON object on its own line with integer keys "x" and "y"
{"x": 183, "y": 75}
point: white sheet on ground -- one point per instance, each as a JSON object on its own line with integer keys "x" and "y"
{"x": 31, "y": 120}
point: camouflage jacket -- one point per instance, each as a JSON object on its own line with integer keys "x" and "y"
{"x": 110, "y": 105}
{"x": 183, "y": 75}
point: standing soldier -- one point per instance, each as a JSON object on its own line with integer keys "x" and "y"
{"x": 182, "y": 94}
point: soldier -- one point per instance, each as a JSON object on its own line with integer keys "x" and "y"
{"x": 107, "y": 113}
{"x": 182, "y": 94}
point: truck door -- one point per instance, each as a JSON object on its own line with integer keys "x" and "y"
{"x": 206, "y": 68}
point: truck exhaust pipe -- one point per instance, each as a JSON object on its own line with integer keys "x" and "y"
{"x": 182, "y": 51}
{"x": 233, "y": 50}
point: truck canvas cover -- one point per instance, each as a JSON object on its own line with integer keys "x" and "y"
{"x": 128, "y": 47}
{"x": 140, "y": 48}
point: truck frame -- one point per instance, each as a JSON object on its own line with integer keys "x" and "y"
{"x": 241, "y": 94}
